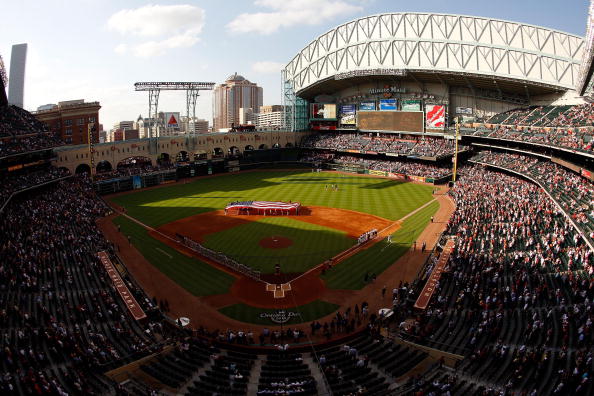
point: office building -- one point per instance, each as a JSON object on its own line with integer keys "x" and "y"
{"x": 236, "y": 92}
{"x": 16, "y": 81}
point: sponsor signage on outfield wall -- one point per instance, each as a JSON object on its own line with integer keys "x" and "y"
{"x": 121, "y": 287}
{"x": 417, "y": 178}
{"x": 377, "y": 172}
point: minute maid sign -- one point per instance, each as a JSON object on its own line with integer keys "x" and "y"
{"x": 280, "y": 316}
{"x": 387, "y": 90}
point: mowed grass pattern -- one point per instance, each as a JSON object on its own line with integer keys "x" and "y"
{"x": 308, "y": 312}
{"x": 312, "y": 244}
{"x": 350, "y": 274}
{"x": 389, "y": 199}
{"x": 197, "y": 277}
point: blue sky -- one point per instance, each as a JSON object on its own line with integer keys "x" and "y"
{"x": 96, "y": 50}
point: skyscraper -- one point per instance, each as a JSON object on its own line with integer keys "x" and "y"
{"x": 16, "y": 82}
{"x": 236, "y": 92}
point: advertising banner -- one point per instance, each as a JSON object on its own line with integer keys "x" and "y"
{"x": 417, "y": 178}
{"x": 172, "y": 120}
{"x": 396, "y": 175}
{"x": 121, "y": 287}
{"x": 464, "y": 110}
{"x": 347, "y": 114}
{"x": 411, "y": 105}
{"x": 323, "y": 111}
{"x": 431, "y": 285}
{"x": 136, "y": 182}
{"x": 368, "y": 106}
{"x": 376, "y": 172}
{"x": 435, "y": 116}
{"x": 387, "y": 104}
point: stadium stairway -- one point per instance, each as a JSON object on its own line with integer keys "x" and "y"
{"x": 321, "y": 386}
{"x": 252, "y": 388}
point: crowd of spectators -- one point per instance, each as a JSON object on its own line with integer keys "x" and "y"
{"x": 573, "y": 192}
{"x": 574, "y": 139}
{"x": 516, "y": 295}
{"x": 27, "y": 180}
{"x": 21, "y": 132}
{"x": 16, "y": 121}
{"x": 547, "y": 116}
{"x": 403, "y": 167}
{"x": 58, "y": 308}
{"x": 560, "y": 126}
{"x": 136, "y": 169}
{"x": 384, "y": 143}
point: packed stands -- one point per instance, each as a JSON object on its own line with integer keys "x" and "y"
{"x": 547, "y": 116}
{"x": 396, "y": 166}
{"x": 24, "y": 181}
{"x": 385, "y": 143}
{"x": 559, "y": 126}
{"x": 574, "y": 193}
{"x": 20, "y": 132}
{"x": 60, "y": 319}
{"x": 574, "y": 139}
{"x": 515, "y": 297}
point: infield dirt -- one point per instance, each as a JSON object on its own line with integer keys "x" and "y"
{"x": 203, "y": 310}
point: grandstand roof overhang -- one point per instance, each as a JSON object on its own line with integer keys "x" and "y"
{"x": 453, "y": 49}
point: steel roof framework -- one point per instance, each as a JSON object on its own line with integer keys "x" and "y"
{"x": 441, "y": 42}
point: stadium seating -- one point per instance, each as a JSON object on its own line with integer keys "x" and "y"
{"x": 385, "y": 143}
{"x": 515, "y": 297}
{"x": 549, "y": 125}
{"x": 21, "y": 132}
{"x": 571, "y": 191}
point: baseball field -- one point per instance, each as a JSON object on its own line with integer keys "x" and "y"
{"x": 337, "y": 209}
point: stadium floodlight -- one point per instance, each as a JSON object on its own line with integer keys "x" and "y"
{"x": 173, "y": 86}
{"x": 154, "y": 88}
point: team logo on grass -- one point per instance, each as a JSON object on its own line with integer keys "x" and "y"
{"x": 281, "y": 316}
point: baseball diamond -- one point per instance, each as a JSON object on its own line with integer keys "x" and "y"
{"x": 414, "y": 215}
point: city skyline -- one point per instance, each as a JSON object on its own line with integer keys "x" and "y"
{"x": 198, "y": 41}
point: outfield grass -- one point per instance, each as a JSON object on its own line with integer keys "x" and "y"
{"x": 389, "y": 199}
{"x": 248, "y": 314}
{"x": 197, "y": 277}
{"x": 312, "y": 244}
{"x": 350, "y": 273}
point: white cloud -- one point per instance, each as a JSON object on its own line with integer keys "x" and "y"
{"x": 156, "y": 48}
{"x": 290, "y": 13}
{"x": 267, "y": 67}
{"x": 121, "y": 49}
{"x": 175, "y": 26}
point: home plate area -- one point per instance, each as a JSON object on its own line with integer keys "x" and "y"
{"x": 278, "y": 290}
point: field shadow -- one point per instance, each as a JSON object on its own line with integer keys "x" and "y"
{"x": 382, "y": 185}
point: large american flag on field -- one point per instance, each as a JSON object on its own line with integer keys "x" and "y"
{"x": 264, "y": 205}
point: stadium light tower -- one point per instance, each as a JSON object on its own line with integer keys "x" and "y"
{"x": 154, "y": 89}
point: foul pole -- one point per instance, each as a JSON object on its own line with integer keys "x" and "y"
{"x": 456, "y": 149}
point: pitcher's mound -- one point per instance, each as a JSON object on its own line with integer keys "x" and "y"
{"x": 275, "y": 242}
